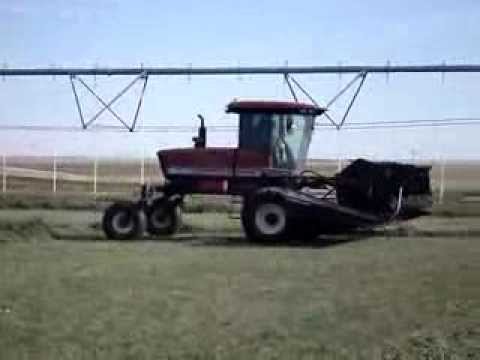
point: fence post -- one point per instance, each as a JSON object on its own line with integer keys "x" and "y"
{"x": 95, "y": 169}
{"x": 4, "y": 173}
{"x": 142, "y": 168}
{"x": 442, "y": 182}
{"x": 96, "y": 218}
{"x": 337, "y": 150}
{"x": 54, "y": 183}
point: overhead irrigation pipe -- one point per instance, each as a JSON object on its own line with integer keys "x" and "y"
{"x": 265, "y": 70}
{"x": 142, "y": 72}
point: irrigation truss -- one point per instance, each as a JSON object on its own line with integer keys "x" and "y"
{"x": 142, "y": 74}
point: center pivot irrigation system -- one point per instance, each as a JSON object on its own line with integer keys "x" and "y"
{"x": 142, "y": 74}
{"x": 281, "y": 199}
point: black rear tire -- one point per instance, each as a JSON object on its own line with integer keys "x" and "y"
{"x": 124, "y": 221}
{"x": 266, "y": 220}
{"x": 163, "y": 218}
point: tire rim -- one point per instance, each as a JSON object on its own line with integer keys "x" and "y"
{"x": 270, "y": 219}
{"x": 122, "y": 222}
{"x": 160, "y": 219}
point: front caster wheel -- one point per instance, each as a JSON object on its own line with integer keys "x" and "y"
{"x": 124, "y": 221}
{"x": 163, "y": 218}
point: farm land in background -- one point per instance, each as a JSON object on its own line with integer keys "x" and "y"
{"x": 88, "y": 183}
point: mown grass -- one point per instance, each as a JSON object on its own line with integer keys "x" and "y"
{"x": 392, "y": 294}
{"x": 89, "y": 201}
{"x": 453, "y": 203}
{"x": 405, "y": 291}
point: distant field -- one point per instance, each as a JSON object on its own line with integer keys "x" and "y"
{"x": 30, "y": 184}
{"x": 458, "y": 174}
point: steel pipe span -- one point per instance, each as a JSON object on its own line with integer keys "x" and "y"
{"x": 260, "y": 70}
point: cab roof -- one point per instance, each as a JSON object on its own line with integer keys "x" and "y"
{"x": 277, "y": 107}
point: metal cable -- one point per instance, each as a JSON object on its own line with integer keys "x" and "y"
{"x": 368, "y": 125}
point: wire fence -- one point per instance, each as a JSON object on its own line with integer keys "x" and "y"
{"x": 56, "y": 175}
{"x": 66, "y": 175}
{"x": 367, "y": 125}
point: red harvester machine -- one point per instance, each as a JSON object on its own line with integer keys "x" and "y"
{"x": 281, "y": 200}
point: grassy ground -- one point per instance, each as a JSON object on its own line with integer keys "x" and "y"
{"x": 408, "y": 291}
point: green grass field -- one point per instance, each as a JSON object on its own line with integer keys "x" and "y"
{"x": 406, "y": 291}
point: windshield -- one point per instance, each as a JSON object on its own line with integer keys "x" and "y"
{"x": 255, "y": 132}
{"x": 291, "y": 138}
{"x": 285, "y": 136}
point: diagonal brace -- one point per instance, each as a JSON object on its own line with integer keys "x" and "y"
{"x": 286, "y": 76}
{"x": 346, "y": 87}
{"x": 361, "y": 76}
{"x": 139, "y": 105}
{"x": 310, "y": 97}
{"x": 304, "y": 91}
{"x": 108, "y": 106}
{"x": 357, "y": 91}
{"x": 77, "y": 102}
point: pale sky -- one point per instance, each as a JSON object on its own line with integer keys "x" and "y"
{"x": 247, "y": 33}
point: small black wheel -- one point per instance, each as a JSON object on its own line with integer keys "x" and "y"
{"x": 163, "y": 218}
{"x": 266, "y": 220}
{"x": 124, "y": 221}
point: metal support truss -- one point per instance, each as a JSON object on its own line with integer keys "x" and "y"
{"x": 107, "y": 106}
{"x": 289, "y": 79}
{"x": 286, "y": 71}
{"x": 362, "y": 76}
{"x": 290, "y": 87}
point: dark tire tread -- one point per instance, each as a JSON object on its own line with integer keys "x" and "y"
{"x": 138, "y": 216}
{"x": 172, "y": 210}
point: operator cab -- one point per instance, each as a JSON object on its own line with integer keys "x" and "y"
{"x": 283, "y": 130}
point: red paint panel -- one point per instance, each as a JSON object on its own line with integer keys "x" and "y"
{"x": 211, "y": 186}
{"x": 252, "y": 159}
{"x": 214, "y": 162}
{"x": 209, "y": 160}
